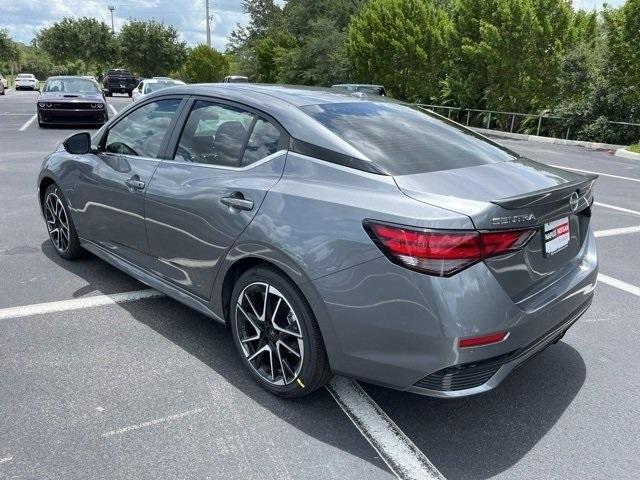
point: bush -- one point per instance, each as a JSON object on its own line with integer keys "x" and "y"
{"x": 204, "y": 64}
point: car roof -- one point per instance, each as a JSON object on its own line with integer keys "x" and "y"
{"x": 64, "y": 77}
{"x": 357, "y": 85}
{"x": 257, "y": 95}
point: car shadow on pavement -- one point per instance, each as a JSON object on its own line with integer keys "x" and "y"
{"x": 211, "y": 343}
{"x": 101, "y": 278}
{"x": 481, "y": 436}
{"x": 469, "y": 438}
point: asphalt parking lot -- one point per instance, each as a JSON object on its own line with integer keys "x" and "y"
{"x": 152, "y": 389}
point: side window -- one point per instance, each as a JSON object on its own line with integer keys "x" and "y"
{"x": 264, "y": 140}
{"x": 141, "y": 132}
{"x": 214, "y": 134}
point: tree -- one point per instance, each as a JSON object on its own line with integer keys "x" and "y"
{"x": 506, "y": 53}
{"x": 301, "y": 42}
{"x": 85, "y": 39}
{"x": 622, "y": 56}
{"x": 151, "y": 48}
{"x": 401, "y": 44}
{"x": 9, "y": 50}
{"x": 205, "y": 64}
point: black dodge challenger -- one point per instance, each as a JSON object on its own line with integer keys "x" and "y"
{"x": 71, "y": 100}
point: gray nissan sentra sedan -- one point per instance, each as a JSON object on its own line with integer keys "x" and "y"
{"x": 332, "y": 233}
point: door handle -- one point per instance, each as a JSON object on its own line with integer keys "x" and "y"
{"x": 134, "y": 183}
{"x": 237, "y": 201}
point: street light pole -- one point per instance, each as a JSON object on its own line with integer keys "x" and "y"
{"x": 208, "y": 24}
{"x": 111, "y": 9}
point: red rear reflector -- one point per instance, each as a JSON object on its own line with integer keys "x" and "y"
{"x": 482, "y": 340}
{"x": 443, "y": 252}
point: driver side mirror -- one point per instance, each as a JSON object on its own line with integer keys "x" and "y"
{"x": 78, "y": 144}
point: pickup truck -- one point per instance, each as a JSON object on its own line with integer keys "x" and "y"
{"x": 119, "y": 81}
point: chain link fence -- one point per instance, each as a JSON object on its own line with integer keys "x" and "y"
{"x": 542, "y": 124}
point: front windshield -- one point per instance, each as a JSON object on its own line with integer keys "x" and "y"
{"x": 71, "y": 85}
{"x": 24, "y": 75}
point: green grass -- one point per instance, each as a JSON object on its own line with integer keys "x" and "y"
{"x": 634, "y": 148}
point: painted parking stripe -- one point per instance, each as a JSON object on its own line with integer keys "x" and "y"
{"x": 616, "y": 231}
{"x": 400, "y": 454}
{"x": 150, "y": 423}
{"x": 597, "y": 173}
{"x": 113, "y": 109}
{"x": 620, "y": 209}
{"x": 28, "y": 122}
{"x": 6, "y": 459}
{"x": 624, "y": 286}
{"x": 77, "y": 303}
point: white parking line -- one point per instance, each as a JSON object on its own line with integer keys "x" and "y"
{"x": 597, "y": 173}
{"x": 614, "y": 282}
{"x": 613, "y": 207}
{"x": 616, "y": 231}
{"x": 77, "y": 303}
{"x": 153, "y": 422}
{"x": 6, "y": 459}
{"x": 401, "y": 455}
{"x": 113, "y": 109}
{"x": 27, "y": 123}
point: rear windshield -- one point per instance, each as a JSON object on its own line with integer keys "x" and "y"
{"x": 404, "y": 140}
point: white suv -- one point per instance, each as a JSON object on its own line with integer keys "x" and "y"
{"x": 3, "y": 81}
{"x": 28, "y": 81}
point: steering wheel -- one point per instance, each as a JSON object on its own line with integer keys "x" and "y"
{"x": 184, "y": 152}
{"x": 122, "y": 149}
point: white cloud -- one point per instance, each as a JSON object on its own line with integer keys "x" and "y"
{"x": 24, "y": 20}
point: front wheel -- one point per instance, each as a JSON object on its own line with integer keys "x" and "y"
{"x": 62, "y": 232}
{"x": 277, "y": 335}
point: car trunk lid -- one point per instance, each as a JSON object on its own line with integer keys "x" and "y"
{"x": 518, "y": 194}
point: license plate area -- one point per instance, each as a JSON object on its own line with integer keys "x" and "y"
{"x": 556, "y": 236}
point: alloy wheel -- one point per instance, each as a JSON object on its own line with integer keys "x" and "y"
{"x": 269, "y": 333}
{"x": 57, "y": 222}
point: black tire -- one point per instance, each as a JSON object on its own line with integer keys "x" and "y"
{"x": 70, "y": 249}
{"x": 130, "y": 94}
{"x": 314, "y": 371}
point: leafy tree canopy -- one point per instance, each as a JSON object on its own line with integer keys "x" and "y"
{"x": 151, "y": 48}
{"x": 205, "y": 64}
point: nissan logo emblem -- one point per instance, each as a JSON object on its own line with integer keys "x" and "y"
{"x": 573, "y": 201}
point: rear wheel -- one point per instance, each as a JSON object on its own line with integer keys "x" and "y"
{"x": 277, "y": 335}
{"x": 62, "y": 232}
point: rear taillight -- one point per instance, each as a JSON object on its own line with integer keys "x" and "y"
{"x": 443, "y": 252}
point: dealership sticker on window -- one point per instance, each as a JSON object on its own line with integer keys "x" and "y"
{"x": 556, "y": 235}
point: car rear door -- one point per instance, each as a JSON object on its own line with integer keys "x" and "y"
{"x": 224, "y": 160}
{"x": 109, "y": 194}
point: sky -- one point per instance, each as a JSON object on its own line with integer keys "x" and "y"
{"x": 24, "y": 19}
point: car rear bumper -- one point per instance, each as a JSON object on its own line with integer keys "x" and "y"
{"x": 400, "y": 329}
{"x": 72, "y": 116}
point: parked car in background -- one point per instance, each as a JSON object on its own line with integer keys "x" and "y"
{"x": 118, "y": 80}
{"x": 235, "y": 79}
{"x": 27, "y": 81}
{"x": 145, "y": 87}
{"x": 2, "y": 89}
{"x": 333, "y": 233}
{"x": 3, "y": 81}
{"x": 71, "y": 100}
{"x": 361, "y": 88}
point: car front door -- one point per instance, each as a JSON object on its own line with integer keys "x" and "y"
{"x": 226, "y": 159}
{"x": 109, "y": 195}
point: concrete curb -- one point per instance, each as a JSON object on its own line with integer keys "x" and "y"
{"x": 557, "y": 141}
{"x": 624, "y": 153}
